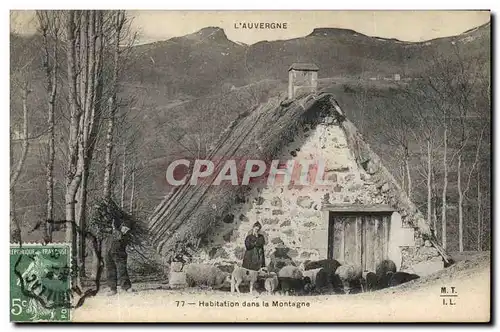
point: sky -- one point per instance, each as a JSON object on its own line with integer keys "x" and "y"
{"x": 155, "y": 25}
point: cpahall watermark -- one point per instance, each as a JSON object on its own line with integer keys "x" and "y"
{"x": 241, "y": 172}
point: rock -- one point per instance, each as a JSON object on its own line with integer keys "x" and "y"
{"x": 384, "y": 188}
{"x": 240, "y": 199}
{"x": 305, "y": 255}
{"x": 239, "y": 252}
{"x": 276, "y": 201}
{"x": 427, "y": 252}
{"x": 277, "y": 240}
{"x": 227, "y": 236}
{"x": 228, "y": 219}
{"x": 310, "y": 224}
{"x": 326, "y": 199}
{"x": 177, "y": 280}
{"x": 428, "y": 267}
{"x": 349, "y": 177}
{"x": 341, "y": 169}
{"x": 176, "y": 266}
{"x": 286, "y": 223}
{"x": 304, "y": 201}
{"x": 218, "y": 252}
{"x": 427, "y": 243}
{"x": 277, "y": 212}
{"x": 332, "y": 177}
{"x": 203, "y": 241}
{"x": 293, "y": 253}
{"x": 243, "y": 218}
{"x": 337, "y": 188}
{"x": 270, "y": 221}
{"x": 328, "y": 120}
{"x": 259, "y": 200}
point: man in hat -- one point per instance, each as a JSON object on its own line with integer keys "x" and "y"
{"x": 279, "y": 258}
{"x": 254, "y": 255}
{"x": 115, "y": 257}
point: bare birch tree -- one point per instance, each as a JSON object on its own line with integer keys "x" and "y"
{"x": 49, "y": 28}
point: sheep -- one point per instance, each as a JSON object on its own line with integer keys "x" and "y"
{"x": 242, "y": 275}
{"x": 399, "y": 278}
{"x": 271, "y": 283}
{"x": 312, "y": 274}
{"x": 382, "y": 271}
{"x": 350, "y": 276}
{"x": 290, "y": 271}
{"x": 295, "y": 286}
{"x": 329, "y": 268}
{"x": 369, "y": 281}
{"x": 205, "y": 275}
{"x": 385, "y": 266}
{"x": 328, "y": 264}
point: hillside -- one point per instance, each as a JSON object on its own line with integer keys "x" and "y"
{"x": 202, "y": 62}
{"x": 187, "y": 89}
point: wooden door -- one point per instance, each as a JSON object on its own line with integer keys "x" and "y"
{"x": 359, "y": 238}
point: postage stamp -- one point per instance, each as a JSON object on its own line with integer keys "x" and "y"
{"x": 40, "y": 283}
{"x": 250, "y": 166}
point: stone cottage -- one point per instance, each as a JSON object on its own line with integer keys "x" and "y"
{"x": 361, "y": 216}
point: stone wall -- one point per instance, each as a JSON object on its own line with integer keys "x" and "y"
{"x": 295, "y": 215}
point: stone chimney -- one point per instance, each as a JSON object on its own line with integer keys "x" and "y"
{"x": 302, "y": 79}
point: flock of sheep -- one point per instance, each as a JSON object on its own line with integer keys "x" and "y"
{"x": 312, "y": 277}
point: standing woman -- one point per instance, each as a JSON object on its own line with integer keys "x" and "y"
{"x": 254, "y": 254}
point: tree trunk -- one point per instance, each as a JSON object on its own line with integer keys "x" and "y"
{"x": 108, "y": 166}
{"x": 118, "y": 24}
{"x": 479, "y": 212}
{"x": 429, "y": 183}
{"x": 82, "y": 215}
{"x": 460, "y": 205}
{"x": 122, "y": 196}
{"x": 435, "y": 205}
{"x": 445, "y": 186}
{"x": 73, "y": 174}
{"x": 132, "y": 192}
{"x": 402, "y": 175}
{"x": 51, "y": 65}
{"x": 408, "y": 175}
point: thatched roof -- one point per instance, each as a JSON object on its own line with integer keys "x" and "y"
{"x": 189, "y": 211}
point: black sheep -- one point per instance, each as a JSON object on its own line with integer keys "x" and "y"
{"x": 385, "y": 266}
{"x": 370, "y": 281}
{"x": 292, "y": 286}
{"x": 399, "y": 278}
{"x": 329, "y": 267}
{"x": 327, "y": 264}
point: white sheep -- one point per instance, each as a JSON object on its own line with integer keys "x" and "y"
{"x": 290, "y": 271}
{"x": 206, "y": 275}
